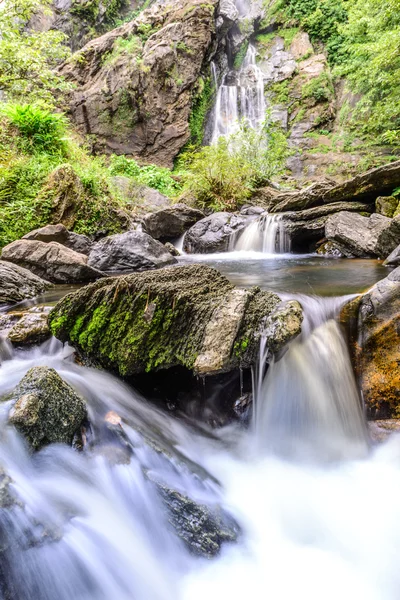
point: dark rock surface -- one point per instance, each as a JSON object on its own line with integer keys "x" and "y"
{"x": 170, "y": 223}
{"x": 17, "y": 283}
{"x": 213, "y": 233}
{"x": 46, "y": 409}
{"x": 127, "y": 252}
{"x": 59, "y": 233}
{"x": 53, "y": 261}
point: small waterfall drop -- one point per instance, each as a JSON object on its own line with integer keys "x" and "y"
{"x": 308, "y": 403}
{"x": 240, "y": 96}
{"x": 266, "y": 234}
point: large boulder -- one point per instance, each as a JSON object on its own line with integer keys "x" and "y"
{"x": 46, "y": 409}
{"x": 214, "y": 233}
{"x": 139, "y": 198}
{"x": 127, "y": 252}
{"x": 134, "y": 86}
{"x": 188, "y": 316}
{"x": 364, "y": 236}
{"x": 53, "y": 261}
{"x": 17, "y": 283}
{"x": 378, "y": 347}
{"x": 386, "y": 205}
{"x": 59, "y": 233}
{"x": 393, "y": 260}
{"x": 170, "y": 223}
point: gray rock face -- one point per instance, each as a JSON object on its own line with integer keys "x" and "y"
{"x": 59, "y": 233}
{"x": 213, "y": 233}
{"x": 46, "y": 409}
{"x": 144, "y": 199}
{"x": 393, "y": 260}
{"x": 31, "y": 327}
{"x": 203, "y": 529}
{"x": 130, "y": 251}
{"x": 53, "y": 261}
{"x": 364, "y": 236}
{"x": 17, "y": 283}
{"x": 171, "y": 223}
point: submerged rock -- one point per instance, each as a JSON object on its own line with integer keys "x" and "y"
{"x": 59, "y": 233}
{"x": 17, "y": 283}
{"x": 170, "y": 223}
{"x": 51, "y": 260}
{"x": 46, "y": 409}
{"x": 130, "y": 251}
{"x": 378, "y": 347}
{"x": 213, "y": 233}
{"x": 187, "y": 316}
{"x": 364, "y": 236}
{"x": 31, "y": 327}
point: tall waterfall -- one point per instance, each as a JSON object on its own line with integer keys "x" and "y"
{"x": 308, "y": 403}
{"x": 241, "y": 96}
{"x": 266, "y": 234}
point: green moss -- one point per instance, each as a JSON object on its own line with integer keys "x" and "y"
{"x": 201, "y": 105}
{"x": 240, "y": 56}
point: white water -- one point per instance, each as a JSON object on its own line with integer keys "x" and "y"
{"x": 319, "y": 514}
{"x": 266, "y": 234}
{"x": 240, "y": 97}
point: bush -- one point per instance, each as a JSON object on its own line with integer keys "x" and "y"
{"x": 319, "y": 89}
{"x": 155, "y": 177}
{"x": 40, "y": 130}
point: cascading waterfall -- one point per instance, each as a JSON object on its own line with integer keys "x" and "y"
{"x": 240, "y": 96}
{"x": 266, "y": 234}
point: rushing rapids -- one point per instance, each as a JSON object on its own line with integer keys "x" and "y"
{"x": 301, "y": 481}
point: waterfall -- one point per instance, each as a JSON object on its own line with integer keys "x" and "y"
{"x": 240, "y": 96}
{"x": 266, "y": 234}
{"x": 308, "y": 403}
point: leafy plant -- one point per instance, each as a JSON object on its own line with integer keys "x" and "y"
{"x": 158, "y": 178}
{"x": 320, "y": 88}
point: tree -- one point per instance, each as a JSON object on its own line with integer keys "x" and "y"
{"x": 28, "y": 58}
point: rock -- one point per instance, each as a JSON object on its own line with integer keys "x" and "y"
{"x": 333, "y": 250}
{"x": 65, "y": 190}
{"x": 364, "y": 236}
{"x": 280, "y": 64}
{"x": 137, "y": 100}
{"x": 378, "y": 347}
{"x": 31, "y": 327}
{"x": 17, "y": 284}
{"x": 59, "y": 233}
{"x": 300, "y": 200}
{"x": 170, "y": 223}
{"x": 393, "y": 260}
{"x": 46, "y": 409}
{"x": 386, "y": 205}
{"x": 379, "y": 431}
{"x": 130, "y": 251}
{"x": 213, "y": 233}
{"x": 301, "y": 45}
{"x": 51, "y": 260}
{"x": 171, "y": 249}
{"x": 188, "y": 316}
{"x": 142, "y": 199}
{"x": 203, "y": 529}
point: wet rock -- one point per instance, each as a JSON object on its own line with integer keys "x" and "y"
{"x": 378, "y": 347}
{"x": 386, "y": 205}
{"x": 213, "y": 233}
{"x": 17, "y": 283}
{"x": 172, "y": 249}
{"x": 52, "y": 261}
{"x": 189, "y": 316}
{"x": 130, "y": 251}
{"x": 31, "y": 327}
{"x": 138, "y": 101}
{"x": 364, "y": 236}
{"x": 379, "y": 431}
{"x": 170, "y": 223}
{"x": 7, "y": 498}
{"x": 46, "y": 409}
{"x": 59, "y": 233}
{"x": 333, "y": 250}
{"x": 393, "y": 260}
{"x": 203, "y": 529}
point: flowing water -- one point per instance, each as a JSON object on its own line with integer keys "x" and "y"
{"x": 316, "y": 503}
{"x": 266, "y": 234}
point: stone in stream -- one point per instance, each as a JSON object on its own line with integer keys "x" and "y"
{"x": 393, "y": 260}
{"x": 45, "y": 408}
{"x": 213, "y": 233}
{"x": 170, "y": 223}
{"x": 378, "y": 347}
{"x": 130, "y": 251}
{"x": 186, "y": 316}
{"x": 53, "y": 261}
{"x": 30, "y": 327}
{"x": 364, "y": 236}
{"x": 59, "y": 233}
{"x": 17, "y": 283}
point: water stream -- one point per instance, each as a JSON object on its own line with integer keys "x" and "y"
{"x": 266, "y": 234}
{"x": 317, "y": 505}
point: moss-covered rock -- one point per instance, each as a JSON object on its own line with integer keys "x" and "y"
{"x": 46, "y": 409}
{"x": 188, "y": 316}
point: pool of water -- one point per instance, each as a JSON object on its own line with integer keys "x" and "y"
{"x": 305, "y": 274}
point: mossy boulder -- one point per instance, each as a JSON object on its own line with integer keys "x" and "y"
{"x": 189, "y": 316}
{"x": 45, "y": 408}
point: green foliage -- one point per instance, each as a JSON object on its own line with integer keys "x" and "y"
{"x": 131, "y": 45}
{"x": 201, "y": 105}
{"x": 27, "y": 57}
{"x": 240, "y": 56}
{"x": 224, "y": 175}
{"x": 319, "y": 89}
{"x": 158, "y": 178}
{"x": 39, "y": 129}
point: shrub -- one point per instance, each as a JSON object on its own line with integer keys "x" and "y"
{"x": 158, "y": 178}
{"x": 319, "y": 88}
